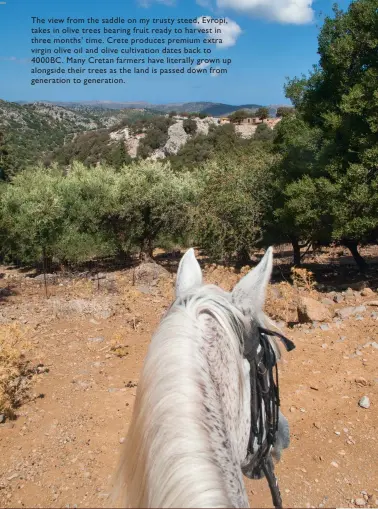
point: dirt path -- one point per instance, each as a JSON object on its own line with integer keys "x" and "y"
{"x": 63, "y": 448}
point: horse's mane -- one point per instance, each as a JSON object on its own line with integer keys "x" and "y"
{"x": 167, "y": 459}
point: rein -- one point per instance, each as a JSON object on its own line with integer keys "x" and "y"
{"x": 264, "y": 389}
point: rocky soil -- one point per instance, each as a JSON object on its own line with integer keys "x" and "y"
{"x": 89, "y": 340}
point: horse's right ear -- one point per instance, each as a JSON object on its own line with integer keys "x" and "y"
{"x": 189, "y": 274}
{"x": 249, "y": 293}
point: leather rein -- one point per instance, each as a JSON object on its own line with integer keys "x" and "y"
{"x": 265, "y": 404}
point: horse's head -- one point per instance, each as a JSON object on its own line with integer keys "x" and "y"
{"x": 268, "y": 430}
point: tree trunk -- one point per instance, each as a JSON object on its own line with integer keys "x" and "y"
{"x": 352, "y": 245}
{"x": 242, "y": 258}
{"x": 296, "y": 251}
{"x": 44, "y": 272}
{"x": 146, "y": 250}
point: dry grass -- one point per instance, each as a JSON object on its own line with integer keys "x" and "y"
{"x": 14, "y": 381}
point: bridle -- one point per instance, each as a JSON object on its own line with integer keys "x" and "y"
{"x": 264, "y": 389}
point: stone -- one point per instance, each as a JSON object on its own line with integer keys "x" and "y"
{"x": 371, "y": 303}
{"x": 324, "y": 326}
{"x": 2, "y": 418}
{"x": 364, "y": 402}
{"x": 360, "y": 502}
{"x": 310, "y": 310}
{"x": 338, "y": 298}
{"x": 99, "y": 339}
{"x": 149, "y": 272}
{"x": 361, "y": 381}
{"x": 349, "y": 311}
{"x": 374, "y": 345}
{"x": 327, "y": 302}
{"x": 349, "y": 293}
{"x": 122, "y": 440}
{"x": 367, "y": 292}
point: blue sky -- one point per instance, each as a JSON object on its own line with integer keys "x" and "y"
{"x": 267, "y": 40}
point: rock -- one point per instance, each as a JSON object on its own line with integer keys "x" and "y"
{"x": 360, "y": 502}
{"x": 364, "y": 402}
{"x": 349, "y": 293}
{"x": 361, "y": 381}
{"x": 360, "y": 309}
{"x": 99, "y": 339}
{"x": 359, "y": 317}
{"x": 310, "y": 310}
{"x": 374, "y": 345}
{"x": 374, "y": 314}
{"x": 372, "y": 303}
{"x": 177, "y": 137}
{"x": 346, "y": 312}
{"x": 2, "y": 418}
{"x": 324, "y": 326}
{"x": 338, "y": 298}
{"x": 150, "y": 272}
{"x": 327, "y": 302}
{"x": 121, "y": 440}
{"x": 367, "y": 292}
{"x": 334, "y": 464}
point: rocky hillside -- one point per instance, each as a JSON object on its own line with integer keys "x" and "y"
{"x": 33, "y": 130}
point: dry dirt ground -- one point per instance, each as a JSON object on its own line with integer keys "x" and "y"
{"x": 62, "y": 449}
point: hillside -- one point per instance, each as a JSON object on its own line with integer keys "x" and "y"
{"x": 35, "y": 129}
{"x": 210, "y": 108}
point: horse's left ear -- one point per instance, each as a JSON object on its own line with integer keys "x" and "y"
{"x": 249, "y": 293}
{"x": 189, "y": 274}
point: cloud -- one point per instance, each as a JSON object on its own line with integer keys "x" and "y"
{"x": 202, "y": 65}
{"x": 147, "y": 3}
{"x": 229, "y": 32}
{"x": 215, "y": 74}
{"x": 296, "y": 12}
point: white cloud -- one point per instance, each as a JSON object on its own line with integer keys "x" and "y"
{"x": 202, "y": 65}
{"x": 229, "y": 32}
{"x": 215, "y": 74}
{"x": 284, "y": 11}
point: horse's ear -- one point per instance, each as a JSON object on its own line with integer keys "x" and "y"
{"x": 189, "y": 274}
{"x": 249, "y": 293}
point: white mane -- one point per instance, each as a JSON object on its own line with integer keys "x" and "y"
{"x": 190, "y": 426}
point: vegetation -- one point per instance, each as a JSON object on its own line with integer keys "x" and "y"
{"x": 262, "y": 113}
{"x": 190, "y": 126}
{"x": 238, "y": 116}
{"x": 284, "y": 111}
{"x": 312, "y": 180}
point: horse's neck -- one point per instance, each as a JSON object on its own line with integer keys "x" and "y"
{"x": 184, "y": 444}
{"x": 227, "y": 400}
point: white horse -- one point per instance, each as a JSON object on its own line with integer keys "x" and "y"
{"x": 190, "y": 430}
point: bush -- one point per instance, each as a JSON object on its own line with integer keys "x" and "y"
{"x": 190, "y": 126}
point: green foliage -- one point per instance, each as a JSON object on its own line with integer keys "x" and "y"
{"x": 228, "y": 219}
{"x": 284, "y": 111}
{"x": 190, "y": 126}
{"x": 156, "y": 136}
{"x": 7, "y": 160}
{"x": 32, "y": 214}
{"x": 339, "y": 98}
{"x": 92, "y": 212}
{"x": 264, "y": 133}
{"x": 262, "y": 113}
{"x": 201, "y": 148}
{"x": 238, "y": 116}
